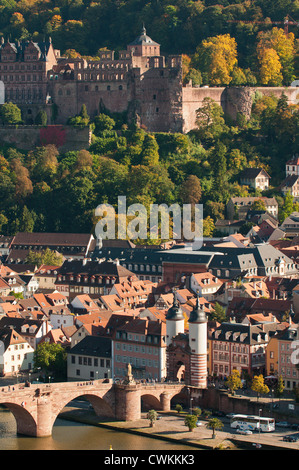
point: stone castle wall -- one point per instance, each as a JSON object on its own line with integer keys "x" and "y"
{"x": 233, "y": 100}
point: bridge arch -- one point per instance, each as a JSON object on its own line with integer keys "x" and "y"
{"x": 149, "y": 402}
{"x": 100, "y": 405}
{"x": 26, "y": 423}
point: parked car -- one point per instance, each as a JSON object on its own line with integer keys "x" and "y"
{"x": 282, "y": 424}
{"x": 230, "y": 415}
{"x": 244, "y": 431}
{"x": 290, "y": 438}
{"x": 295, "y": 426}
{"x": 199, "y": 423}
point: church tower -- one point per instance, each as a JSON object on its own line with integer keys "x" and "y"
{"x": 198, "y": 346}
{"x": 175, "y": 322}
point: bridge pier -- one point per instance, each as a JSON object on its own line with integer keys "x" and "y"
{"x": 44, "y": 423}
{"x": 128, "y": 406}
{"x": 165, "y": 401}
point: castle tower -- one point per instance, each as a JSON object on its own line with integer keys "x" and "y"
{"x": 175, "y": 322}
{"x": 198, "y": 345}
{"x": 144, "y": 46}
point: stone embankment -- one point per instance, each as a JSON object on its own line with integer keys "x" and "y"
{"x": 171, "y": 427}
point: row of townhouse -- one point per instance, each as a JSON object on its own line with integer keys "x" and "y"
{"x": 267, "y": 348}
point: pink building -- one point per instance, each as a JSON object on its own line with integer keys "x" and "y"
{"x": 141, "y": 343}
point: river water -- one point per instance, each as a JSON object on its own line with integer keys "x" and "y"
{"x": 68, "y": 435}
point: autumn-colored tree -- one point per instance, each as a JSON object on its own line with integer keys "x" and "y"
{"x": 72, "y": 54}
{"x": 258, "y": 205}
{"x": 284, "y": 46}
{"x": 186, "y": 61}
{"x": 56, "y": 22}
{"x": 23, "y": 182}
{"x": 191, "y": 190}
{"x": 208, "y": 227}
{"x": 259, "y": 386}
{"x": 47, "y": 257}
{"x": 270, "y": 66}
{"x": 234, "y": 381}
{"x": 84, "y": 159}
{"x": 216, "y": 57}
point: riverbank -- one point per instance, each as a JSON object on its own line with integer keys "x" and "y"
{"x": 171, "y": 428}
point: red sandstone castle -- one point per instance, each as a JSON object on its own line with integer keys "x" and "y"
{"x": 140, "y": 82}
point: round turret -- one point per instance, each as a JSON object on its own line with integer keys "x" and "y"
{"x": 175, "y": 312}
{"x": 175, "y": 321}
{"x": 198, "y": 314}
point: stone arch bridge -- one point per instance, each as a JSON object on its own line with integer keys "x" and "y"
{"x": 36, "y": 406}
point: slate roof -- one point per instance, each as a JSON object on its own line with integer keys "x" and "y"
{"x": 105, "y": 268}
{"x": 252, "y": 173}
{"x": 245, "y": 334}
{"x": 51, "y": 239}
{"x": 93, "y": 346}
{"x": 144, "y": 40}
{"x": 20, "y": 47}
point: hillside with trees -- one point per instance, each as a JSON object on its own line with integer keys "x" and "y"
{"x": 244, "y": 40}
{"x": 45, "y": 190}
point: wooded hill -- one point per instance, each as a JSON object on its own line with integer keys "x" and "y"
{"x": 180, "y": 26}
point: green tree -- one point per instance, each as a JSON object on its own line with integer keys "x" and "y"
{"x": 48, "y": 257}
{"x": 190, "y": 422}
{"x": 178, "y": 408}
{"x": 51, "y": 358}
{"x": 218, "y": 313}
{"x": 10, "y": 114}
{"x": 197, "y": 412}
{"x": 209, "y": 120}
{"x": 214, "y": 424}
{"x": 41, "y": 118}
{"x": 279, "y": 389}
{"x": 150, "y": 151}
{"x": 152, "y": 416}
{"x": 103, "y": 123}
{"x": 287, "y": 208}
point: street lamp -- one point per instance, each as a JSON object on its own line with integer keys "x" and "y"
{"x": 191, "y": 399}
{"x": 260, "y": 410}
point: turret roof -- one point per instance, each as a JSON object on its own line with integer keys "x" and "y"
{"x": 143, "y": 39}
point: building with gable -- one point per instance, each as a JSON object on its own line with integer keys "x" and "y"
{"x": 256, "y": 178}
{"x": 17, "y": 353}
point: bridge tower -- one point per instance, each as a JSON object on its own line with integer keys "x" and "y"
{"x": 175, "y": 321}
{"x": 198, "y": 346}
